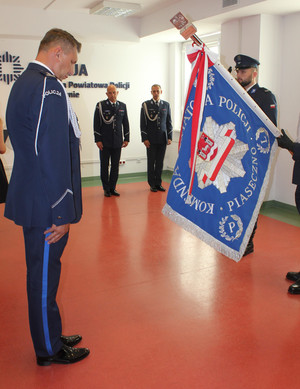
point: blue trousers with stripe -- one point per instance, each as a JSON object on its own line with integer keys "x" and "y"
{"x": 43, "y": 273}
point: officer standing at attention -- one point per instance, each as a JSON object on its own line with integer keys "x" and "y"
{"x": 111, "y": 132}
{"x": 294, "y": 148}
{"x": 44, "y": 194}
{"x": 156, "y": 132}
{"x": 246, "y": 70}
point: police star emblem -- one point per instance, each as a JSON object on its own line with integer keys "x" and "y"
{"x": 219, "y": 155}
{"x": 10, "y": 67}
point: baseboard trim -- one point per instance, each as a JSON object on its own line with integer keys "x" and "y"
{"x": 273, "y": 204}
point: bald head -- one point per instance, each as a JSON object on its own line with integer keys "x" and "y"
{"x": 112, "y": 93}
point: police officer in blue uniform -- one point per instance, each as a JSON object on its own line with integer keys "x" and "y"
{"x": 294, "y": 148}
{"x": 246, "y": 70}
{"x": 156, "y": 132}
{"x": 44, "y": 195}
{"x": 111, "y": 132}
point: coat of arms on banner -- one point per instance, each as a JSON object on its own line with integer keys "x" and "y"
{"x": 226, "y": 149}
{"x": 220, "y": 155}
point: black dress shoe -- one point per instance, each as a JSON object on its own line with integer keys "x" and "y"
{"x": 153, "y": 189}
{"x": 71, "y": 341}
{"x": 249, "y": 249}
{"x": 64, "y": 356}
{"x": 106, "y": 193}
{"x": 293, "y": 276}
{"x": 160, "y": 188}
{"x": 114, "y": 192}
{"x": 295, "y": 288}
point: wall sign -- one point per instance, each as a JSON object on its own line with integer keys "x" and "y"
{"x": 81, "y": 70}
{"x": 11, "y": 69}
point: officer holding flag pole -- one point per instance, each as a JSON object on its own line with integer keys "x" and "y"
{"x": 246, "y": 70}
{"x": 294, "y": 148}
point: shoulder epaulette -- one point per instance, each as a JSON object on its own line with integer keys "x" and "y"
{"x": 47, "y": 74}
{"x": 50, "y": 75}
{"x": 264, "y": 89}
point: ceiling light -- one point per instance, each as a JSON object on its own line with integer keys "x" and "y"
{"x": 115, "y": 8}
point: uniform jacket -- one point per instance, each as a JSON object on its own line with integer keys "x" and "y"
{"x": 296, "y": 158}
{"x": 156, "y": 122}
{"x": 111, "y": 126}
{"x": 45, "y": 186}
{"x": 265, "y": 100}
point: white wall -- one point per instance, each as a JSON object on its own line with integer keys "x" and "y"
{"x": 230, "y": 42}
{"x": 175, "y": 99}
{"x": 141, "y": 64}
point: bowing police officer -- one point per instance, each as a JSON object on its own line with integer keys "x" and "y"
{"x": 156, "y": 132}
{"x": 246, "y": 70}
{"x": 111, "y": 133}
{"x": 44, "y": 194}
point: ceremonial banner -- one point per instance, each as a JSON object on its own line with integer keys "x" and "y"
{"x": 225, "y": 153}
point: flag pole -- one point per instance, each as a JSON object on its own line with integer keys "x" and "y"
{"x": 187, "y": 29}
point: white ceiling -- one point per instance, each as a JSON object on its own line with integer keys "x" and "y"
{"x": 148, "y": 6}
{"x": 153, "y": 21}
